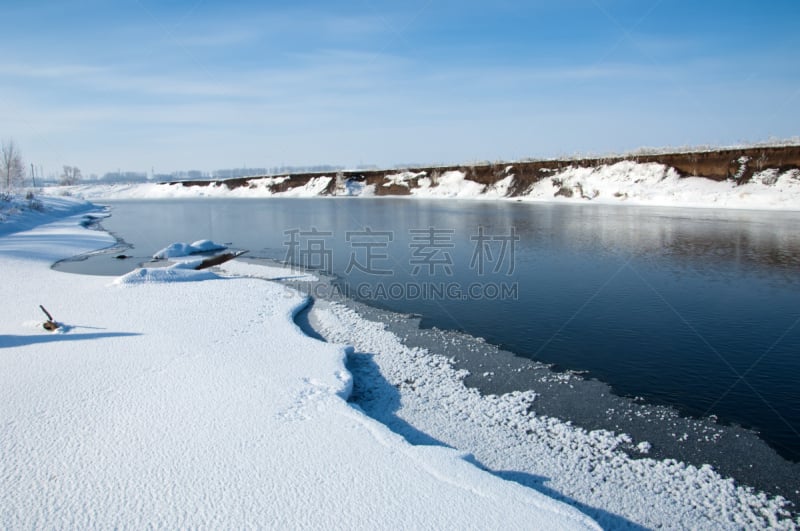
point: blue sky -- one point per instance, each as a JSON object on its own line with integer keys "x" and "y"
{"x": 204, "y": 85}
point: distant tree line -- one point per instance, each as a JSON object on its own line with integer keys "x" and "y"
{"x": 118, "y": 177}
{"x": 70, "y": 176}
{"x": 231, "y": 173}
{"x": 13, "y": 172}
{"x": 13, "y": 175}
{"x": 11, "y": 166}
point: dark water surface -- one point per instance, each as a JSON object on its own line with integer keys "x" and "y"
{"x": 695, "y": 309}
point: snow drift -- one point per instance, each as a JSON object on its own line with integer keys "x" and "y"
{"x": 179, "y": 249}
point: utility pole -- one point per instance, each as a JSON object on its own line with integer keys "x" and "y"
{"x": 33, "y": 175}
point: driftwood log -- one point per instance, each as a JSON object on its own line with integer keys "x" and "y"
{"x": 218, "y": 259}
{"x": 50, "y": 324}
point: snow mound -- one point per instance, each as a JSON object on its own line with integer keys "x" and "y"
{"x": 500, "y": 188}
{"x": 449, "y": 184}
{"x": 266, "y": 183}
{"x": 175, "y": 250}
{"x": 181, "y": 272}
{"x": 659, "y": 185}
{"x": 314, "y": 187}
{"x": 621, "y": 181}
{"x": 402, "y": 178}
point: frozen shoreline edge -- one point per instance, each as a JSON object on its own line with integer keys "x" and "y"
{"x": 430, "y": 430}
{"x": 646, "y": 423}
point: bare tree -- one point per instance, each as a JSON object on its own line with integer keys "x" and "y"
{"x": 11, "y": 166}
{"x": 71, "y": 175}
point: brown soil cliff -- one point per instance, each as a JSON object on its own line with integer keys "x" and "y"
{"x": 717, "y": 165}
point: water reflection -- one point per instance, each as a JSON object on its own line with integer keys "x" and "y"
{"x": 745, "y": 240}
{"x": 696, "y": 238}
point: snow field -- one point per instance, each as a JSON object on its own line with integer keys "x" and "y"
{"x": 201, "y": 404}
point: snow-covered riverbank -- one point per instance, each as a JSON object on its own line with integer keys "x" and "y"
{"x": 626, "y": 182}
{"x": 200, "y": 404}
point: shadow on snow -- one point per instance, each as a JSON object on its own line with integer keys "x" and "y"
{"x": 380, "y": 400}
{"x": 21, "y": 341}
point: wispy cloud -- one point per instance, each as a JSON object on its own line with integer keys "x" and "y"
{"x": 343, "y": 82}
{"x": 55, "y": 72}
